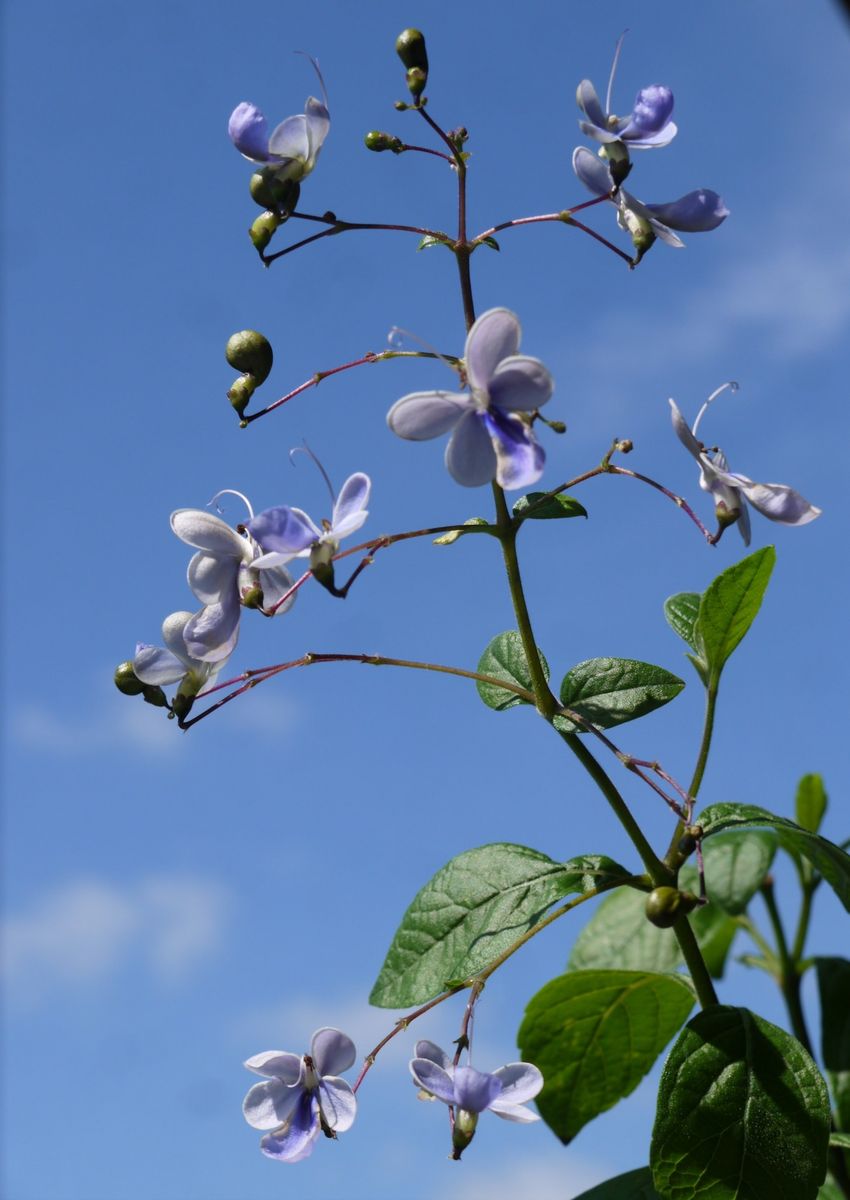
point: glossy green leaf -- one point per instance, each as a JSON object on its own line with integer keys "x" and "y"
{"x": 475, "y": 907}
{"x": 681, "y": 612}
{"x": 594, "y": 1035}
{"x": 811, "y": 801}
{"x": 505, "y": 659}
{"x": 834, "y": 988}
{"x": 619, "y": 935}
{"x": 735, "y": 867}
{"x": 610, "y": 691}
{"x": 743, "y": 1112}
{"x": 552, "y": 508}
{"x": 729, "y": 606}
{"x": 448, "y": 539}
{"x": 830, "y": 860}
{"x": 634, "y": 1185}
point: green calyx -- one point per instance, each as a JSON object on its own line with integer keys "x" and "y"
{"x": 271, "y": 192}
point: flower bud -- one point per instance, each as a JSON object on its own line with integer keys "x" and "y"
{"x": 250, "y": 352}
{"x": 241, "y": 392}
{"x": 464, "y": 1131}
{"x": 664, "y": 905}
{"x": 263, "y": 230}
{"x": 269, "y": 190}
{"x": 126, "y": 680}
{"x": 154, "y": 695}
{"x": 410, "y": 47}
{"x": 377, "y": 140}
{"x": 416, "y": 80}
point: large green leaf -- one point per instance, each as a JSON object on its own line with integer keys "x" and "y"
{"x": 534, "y": 508}
{"x": 834, "y": 989}
{"x": 681, "y": 612}
{"x": 634, "y": 1185}
{"x": 830, "y": 1190}
{"x": 594, "y": 1035}
{"x": 832, "y": 862}
{"x": 475, "y": 907}
{"x": 811, "y": 801}
{"x": 505, "y": 659}
{"x": 609, "y": 691}
{"x": 735, "y": 867}
{"x": 743, "y": 1113}
{"x": 729, "y": 606}
{"x": 619, "y": 935}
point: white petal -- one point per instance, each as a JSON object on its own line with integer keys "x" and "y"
{"x": 290, "y": 140}
{"x": 157, "y": 666}
{"x": 424, "y": 415}
{"x": 172, "y": 635}
{"x": 206, "y": 532}
{"x": 470, "y": 456}
{"x": 350, "y": 507}
{"x": 210, "y": 576}
{"x": 493, "y": 337}
{"x": 683, "y": 431}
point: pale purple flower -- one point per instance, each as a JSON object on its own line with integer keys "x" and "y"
{"x": 471, "y": 1092}
{"x": 285, "y": 533}
{"x": 697, "y": 212}
{"x": 172, "y": 663}
{"x": 647, "y": 126}
{"x": 776, "y": 501}
{"x": 294, "y": 144}
{"x": 223, "y": 578}
{"x": 491, "y": 438}
{"x": 301, "y": 1095}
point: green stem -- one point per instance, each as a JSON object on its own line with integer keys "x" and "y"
{"x": 789, "y": 975}
{"x": 673, "y": 857}
{"x": 695, "y": 962}
{"x": 803, "y": 923}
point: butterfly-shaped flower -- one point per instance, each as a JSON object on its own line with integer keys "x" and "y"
{"x": 285, "y": 533}
{"x": 776, "y": 501}
{"x": 301, "y": 1095}
{"x": 294, "y": 144}
{"x": 646, "y": 127}
{"x": 492, "y": 436}
{"x": 172, "y": 663}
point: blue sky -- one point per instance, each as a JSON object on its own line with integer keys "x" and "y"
{"x": 176, "y": 903}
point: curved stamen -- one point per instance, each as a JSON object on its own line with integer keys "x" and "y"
{"x": 315, "y": 65}
{"x": 231, "y": 492}
{"x": 396, "y": 336}
{"x": 731, "y": 386}
{"x": 305, "y": 449}
{"x": 610, "y": 91}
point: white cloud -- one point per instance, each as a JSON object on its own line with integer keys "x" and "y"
{"x": 132, "y": 725}
{"x": 84, "y": 932}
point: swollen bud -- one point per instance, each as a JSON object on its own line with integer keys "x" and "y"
{"x": 126, "y": 680}
{"x": 377, "y": 140}
{"x": 263, "y": 230}
{"x": 463, "y": 1132}
{"x": 410, "y": 47}
{"x": 250, "y": 352}
{"x": 270, "y": 191}
{"x": 664, "y": 905}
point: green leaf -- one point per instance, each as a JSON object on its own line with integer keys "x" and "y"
{"x": 832, "y": 862}
{"x": 840, "y": 1139}
{"x": 475, "y": 907}
{"x": 834, "y": 988}
{"x": 681, "y": 612}
{"x": 634, "y": 1185}
{"x": 505, "y": 659}
{"x": 552, "y": 508}
{"x": 428, "y": 241}
{"x": 594, "y": 1035}
{"x": 810, "y": 805}
{"x": 715, "y": 930}
{"x": 729, "y": 606}
{"x": 735, "y": 867}
{"x": 448, "y": 538}
{"x": 830, "y": 1190}
{"x": 742, "y": 1112}
{"x": 619, "y": 935}
{"x": 609, "y": 691}
{"x": 488, "y": 241}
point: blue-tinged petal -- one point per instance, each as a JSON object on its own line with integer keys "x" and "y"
{"x": 249, "y": 132}
{"x": 270, "y": 1103}
{"x": 157, "y": 666}
{"x": 172, "y": 634}
{"x": 683, "y": 431}
{"x": 434, "y": 1053}
{"x": 332, "y": 1051}
{"x": 777, "y": 501}
{"x": 202, "y": 530}
{"x": 424, "y": 415}
{"x": 520, "y": 1082}
{"x": 318, "y": 124}
{"x": 592, "y": 171}
{"x": 350, "y": 507}
{"x": 297, "y": 1140}
{"x": 598, "y": 135}
{"x": 338, "y": 1103}
{"x": 697, "y": 212}
{"x": 651, "y": 113}
{"x": 744, "y": 527}
{"x": 277, "y": 1064}
{"x": 494, "y": 336}
{"x": 475, "y": 1090}
{"x": 631, "y": 211}
{"x": 210, "y": 576}
{"x": 212, "y": 633}
{"x": 434, "y": 1079}
{"x": 275, "y": 583}
{"x": 470, "y": 456}
{"x": 520, "y": 384}
{"x": 513, "y": 1112}
{"x": 290, "y": 140}
{"x": 272, "y": 560}
{"x": 588, "y": 102}
{"x": 653, "y": 141}
{"x": 520, "y": 457}
{"x": 283, "y": 529}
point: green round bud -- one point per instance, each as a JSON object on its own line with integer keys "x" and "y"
{"x": 241, "y": 392}
{"x": 127, "y": 681}
{"x": 663, "y": 906}
{"x": 410, "y": 47}
{"x": 263, "y": 230}
{"x": 416, "y": 80}
{"x": 377, "y": 140}
{"x": 250, "y": 352}
{"x": 269, "y": 190}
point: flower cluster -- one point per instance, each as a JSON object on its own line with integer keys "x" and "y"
{"x": 647, "y": 127}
